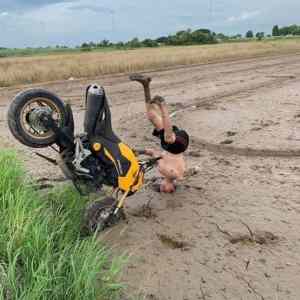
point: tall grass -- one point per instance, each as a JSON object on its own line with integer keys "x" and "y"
{"x": 42, "y": 256}
{"x": 24, "y": 70}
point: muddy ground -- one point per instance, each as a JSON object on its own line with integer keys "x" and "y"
{"x": 231, "y": 231}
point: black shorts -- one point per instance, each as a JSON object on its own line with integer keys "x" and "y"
{"x": 181, "y": 142}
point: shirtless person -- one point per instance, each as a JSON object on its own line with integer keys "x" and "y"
{"x": 174, "y": 141}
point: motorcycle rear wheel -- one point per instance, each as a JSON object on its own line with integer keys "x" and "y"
{"x": 28, "y": 130}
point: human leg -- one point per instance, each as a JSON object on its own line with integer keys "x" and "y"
{"x": 154, "y": 116}
{"x": 152, "y": 109}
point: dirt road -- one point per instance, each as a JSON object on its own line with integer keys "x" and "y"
{"x": 231, "y": 231}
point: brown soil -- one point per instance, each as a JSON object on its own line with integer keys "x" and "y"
{"x": 231, "y": 231}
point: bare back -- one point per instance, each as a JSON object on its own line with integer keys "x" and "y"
{"x": 172, "y": 166}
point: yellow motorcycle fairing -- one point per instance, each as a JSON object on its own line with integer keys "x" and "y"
{"x": 130, "y": 175}
{"x": 134, "y": 179}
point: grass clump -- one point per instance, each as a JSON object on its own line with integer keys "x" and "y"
{"x": 41, "y": 253}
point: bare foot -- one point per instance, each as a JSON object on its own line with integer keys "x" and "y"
{"x": 144, "y": 80}
{"x": 159, "y": 100}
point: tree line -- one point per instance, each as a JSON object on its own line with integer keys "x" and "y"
{"x": 180, "y": 38}
{"x": 286, "y": 30}
{"x": 190, "y": 37}
{"x": 183, "y": 37}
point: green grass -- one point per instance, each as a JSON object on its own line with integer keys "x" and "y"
{"x": 29, "y": 52}
{"x": 34, "y": 51}
{"x": 42, "y": 256}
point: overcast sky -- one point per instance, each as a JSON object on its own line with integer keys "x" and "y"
{"x": 49, "y": 22}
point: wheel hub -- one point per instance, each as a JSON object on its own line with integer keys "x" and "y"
{"x": 34, "y": 118}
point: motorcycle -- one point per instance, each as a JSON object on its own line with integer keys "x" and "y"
{"x": 92, "y": 160}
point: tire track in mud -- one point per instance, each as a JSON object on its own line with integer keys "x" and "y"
{"x": 208, "y": 77}
{"x": 212, "y": 76}
{"x": 214, "y": 99}
{"x": 239, "y": 151}
{"x": 239, "y": 94}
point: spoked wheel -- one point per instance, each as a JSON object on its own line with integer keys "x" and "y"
{"x": 99, "y": 216}
{"x": 25, "y": 117}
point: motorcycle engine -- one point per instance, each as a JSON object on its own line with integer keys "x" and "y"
{"x": 87, "y": 172}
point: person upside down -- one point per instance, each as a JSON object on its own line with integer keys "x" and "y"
{"x": 174, "y": 141}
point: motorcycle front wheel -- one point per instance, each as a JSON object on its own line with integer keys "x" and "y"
{"x": 24, "y": 117}
{"x": 99, "y": 216}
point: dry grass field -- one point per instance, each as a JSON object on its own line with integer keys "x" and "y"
{"x": 26, "y": 70}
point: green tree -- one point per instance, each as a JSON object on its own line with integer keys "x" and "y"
{"x": 183, "y": 37}
{"x": 149, "y": 43}
{"x": 202, "y": 37}
{"x": 84, "y": 45}
{"x": 275, "y": 31}
{"x": 162, "y": 40}
{"x": 134, "y": 43}
{"x": 104, "y": 43}
{"x": 260, "y": 35}
{"x": 249, "y": 34}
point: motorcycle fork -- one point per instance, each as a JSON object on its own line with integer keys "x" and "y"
{"x": 120, "y": 202}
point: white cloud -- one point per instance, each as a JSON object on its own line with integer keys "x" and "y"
{"x": 244, "y": 16}
{"x": 4, "y": 14}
